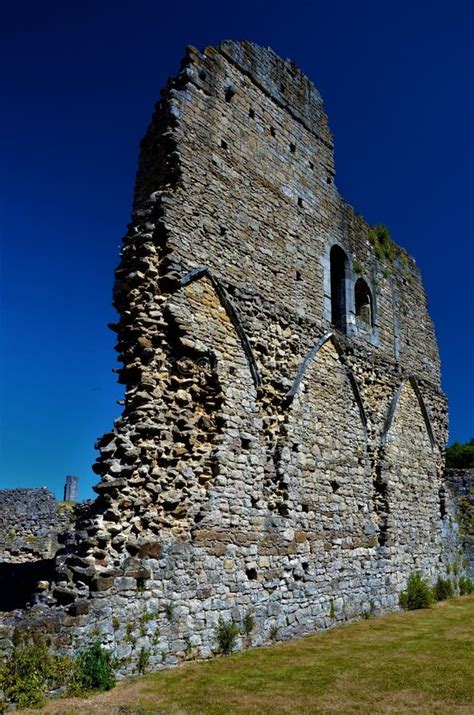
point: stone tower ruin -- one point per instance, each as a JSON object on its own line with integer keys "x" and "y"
{"x": 280, "y": 447}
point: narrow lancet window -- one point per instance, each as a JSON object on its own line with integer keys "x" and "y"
{"x": 363, "y": 303}
{"x": 338, "y": 261}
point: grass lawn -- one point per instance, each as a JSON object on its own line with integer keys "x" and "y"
{"x": 415, "y": 662}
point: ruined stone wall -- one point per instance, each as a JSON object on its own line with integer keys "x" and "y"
{"x": 30, "y": 521}
{"x": 266, "y": 461}
{"x": 460, "y": 496}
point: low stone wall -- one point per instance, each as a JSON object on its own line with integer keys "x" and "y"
{"x": 30, "y": 520}
{"x": 460, "y": 484}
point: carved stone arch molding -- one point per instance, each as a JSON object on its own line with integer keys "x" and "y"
{"x": 204, "y": 271}
{"x": 413, "y": 382}
{"x": 350, "y": 375}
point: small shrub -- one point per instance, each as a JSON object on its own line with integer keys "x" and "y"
{"x": 94, "y": 668}
{"x": 169, "y": 610}
{"x": 418, "y": 593}
{"x": 188, "y": 646}
{"x": 358, "y": 267}
{"x": 442, "y": 589}
{"x": 143, "y": 660}
{"x": 31, "y": 670}
{"x": 248, "y": 623}
{"x": 226, "y": 636}
{"x": 332, "y": 610}
{"x": 274, "y": 630}
{"x": 466, "y": 585}
{"x": 366, "y": 614}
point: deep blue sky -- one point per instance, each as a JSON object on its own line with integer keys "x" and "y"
{"x": 78, "y": 85}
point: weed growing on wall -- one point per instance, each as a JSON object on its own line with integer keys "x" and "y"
{"x": 382, "y": 242}
{"x": 248, "y": 624}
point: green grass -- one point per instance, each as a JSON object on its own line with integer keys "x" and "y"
{"x": 420, "y": 661}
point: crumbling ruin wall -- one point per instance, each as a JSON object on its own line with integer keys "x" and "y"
{"x": 279, "y": 453}
{"x": 31, "y": 526}
{"x": 30, "y": 522}
{"x": 460, "y": 496}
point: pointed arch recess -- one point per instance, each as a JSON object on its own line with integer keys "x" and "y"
{"x": 309, "y": 359}
{"x": 413, "y": 382}
{"x": 204, "y": 271}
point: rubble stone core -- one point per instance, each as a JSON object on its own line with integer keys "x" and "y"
{"x": 280, "y": 448}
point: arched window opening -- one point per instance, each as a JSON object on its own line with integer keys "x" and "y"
{"x": 338, "y": 260}
{"x": 363, "y": 303}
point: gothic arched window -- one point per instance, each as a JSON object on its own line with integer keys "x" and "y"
{"x": 363, "y": 303}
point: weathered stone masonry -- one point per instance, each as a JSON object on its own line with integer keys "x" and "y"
{"x": 280, "y": 447}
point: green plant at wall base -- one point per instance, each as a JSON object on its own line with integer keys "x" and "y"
{"x": 94, "y": 668}
{"x": 143, "y": 660}
{"x": 226, "y": 636}
{"x": 274, "y": 630}
{"x": 332, "y": 610}
{"x": 442, "y": 589}
{"x": 370, "y": 612}
{"x": 30, "y": 670}
{"x": 455, "y": 568}
{"x": 466, "y": 586}
{"x": 418, "y": 593}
